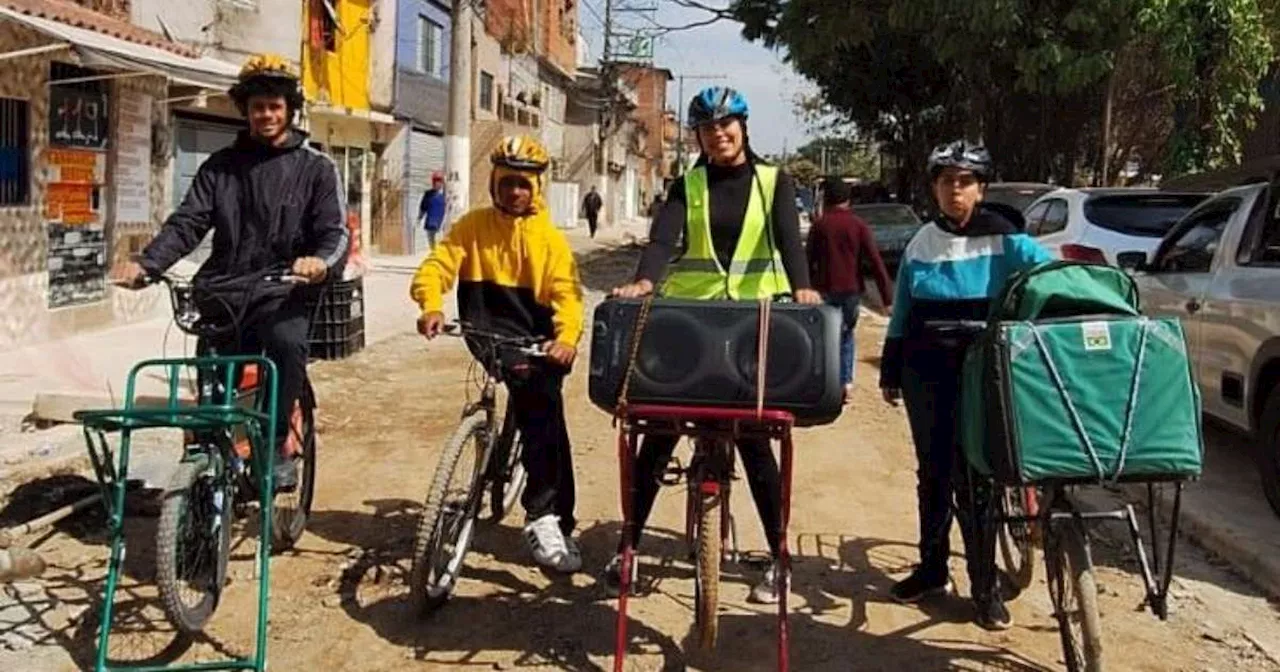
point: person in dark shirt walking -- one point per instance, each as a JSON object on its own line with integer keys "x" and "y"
{"x": 591, "y": 206}
{"x": 840, "y": 247}
{"x": 431, "y": 209}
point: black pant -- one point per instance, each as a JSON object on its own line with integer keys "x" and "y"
{"x": 593, "y": 220}
{"x": 931, "y": 390}
{"x": 538, "y": 403}
{"x": 280, "y": 328}
{"x": 757, "y": 460}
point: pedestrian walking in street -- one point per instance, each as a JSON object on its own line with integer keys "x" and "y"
{"x": 840, "y": 249}
{"x": 591, "y": 206}
{"x": 432, "y": 208}
{"x": 516, "y": 275}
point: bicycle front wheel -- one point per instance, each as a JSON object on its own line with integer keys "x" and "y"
{"x": 707, "y": 580}
{"x": 449, "y": 515}
{"x": 1074, "y": 594}
{"x": 193, "y": 543}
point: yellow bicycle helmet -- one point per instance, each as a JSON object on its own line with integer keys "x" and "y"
{"x": 268, "y": 65}
{"x": 268, "y": 75}
{"x": 522, "y": 153}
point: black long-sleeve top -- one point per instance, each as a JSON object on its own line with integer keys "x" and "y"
{"x": 730, "y": 190}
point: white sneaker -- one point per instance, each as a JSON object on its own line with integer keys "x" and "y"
{"x": 766, "y": 591}
{"x": 549, "y": 546}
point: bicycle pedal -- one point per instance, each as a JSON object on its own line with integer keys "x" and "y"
{"x": 673, "y": 475}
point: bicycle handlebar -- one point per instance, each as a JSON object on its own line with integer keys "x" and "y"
{"x": 526, "y": 345}
{"x": 971, "y": 326}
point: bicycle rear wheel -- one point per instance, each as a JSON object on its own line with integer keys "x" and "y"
{"x": 193, "y": 543}
{"x": 509, "y": 476}
{"x": 1017, "y": 539}
{"x": 707, "y": 579}
{"x": 291, "y": 509}
{"x": 1074, "y": 595}
{"x": 449, "y": 515}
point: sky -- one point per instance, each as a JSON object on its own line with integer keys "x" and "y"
{"x": 769, "y": 85}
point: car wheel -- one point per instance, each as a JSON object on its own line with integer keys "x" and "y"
{"x": 1269, "y": 449}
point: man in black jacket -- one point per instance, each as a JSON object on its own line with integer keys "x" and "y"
{"x": 272, "y": 203}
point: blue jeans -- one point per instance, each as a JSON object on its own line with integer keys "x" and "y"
{"x": 848, "y": 303}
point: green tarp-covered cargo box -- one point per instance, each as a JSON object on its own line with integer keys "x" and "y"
{"x": 1069, "y": 382}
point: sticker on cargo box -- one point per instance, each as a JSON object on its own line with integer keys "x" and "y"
{"x": 1097, "y": 335}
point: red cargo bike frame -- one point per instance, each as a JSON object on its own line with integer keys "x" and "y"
{"x": 703, "y": 423}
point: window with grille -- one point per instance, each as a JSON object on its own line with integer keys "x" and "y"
{"x": 15, "y": 155}
{"x": 486, "y": 91}
{"x": 429, "y": 34}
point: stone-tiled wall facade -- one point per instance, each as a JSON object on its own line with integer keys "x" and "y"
{"x": 25, "y": 316}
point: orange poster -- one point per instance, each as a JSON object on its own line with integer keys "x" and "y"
{"x": 69, "y": 203}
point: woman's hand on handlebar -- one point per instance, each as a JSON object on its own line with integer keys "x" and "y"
{"x": 634, "y": 290}
{"x": 130, "y": 275}
{"x": 892, "y": 395}
{"x": 431, "y": 324}
{"x": 808, "y": 297}
{"x": 311, "y": 269}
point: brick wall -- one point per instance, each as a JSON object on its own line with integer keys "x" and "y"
{"x": 24, "y": 249}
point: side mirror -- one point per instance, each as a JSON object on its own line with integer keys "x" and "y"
{"x": 1132, "y": 261}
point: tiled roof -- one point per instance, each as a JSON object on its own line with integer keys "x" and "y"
{"x": 87, "y": 19}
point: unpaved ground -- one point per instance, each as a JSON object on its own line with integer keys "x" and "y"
{"x": 338, "y": 600}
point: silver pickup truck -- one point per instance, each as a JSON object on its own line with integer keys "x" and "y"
{"x": 1218, "y": 269}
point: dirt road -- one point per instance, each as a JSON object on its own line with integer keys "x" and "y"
{"x": 338, "y": 600}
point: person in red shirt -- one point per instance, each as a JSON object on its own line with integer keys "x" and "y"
{"x": 840, "y": 248}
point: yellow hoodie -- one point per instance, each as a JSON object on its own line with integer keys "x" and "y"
{"x": 515, "y": 275}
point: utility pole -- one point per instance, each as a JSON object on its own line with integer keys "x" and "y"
{"x": 457, "y": 155}
{"x": 681, "y": 105}
{"x": 606, "y": 114}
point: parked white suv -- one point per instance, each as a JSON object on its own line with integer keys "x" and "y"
{"x": 1096, "y": 224}
{"x": 1218, "y": 270}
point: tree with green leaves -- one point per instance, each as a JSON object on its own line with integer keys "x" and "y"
{"x": 1056, "y": 88}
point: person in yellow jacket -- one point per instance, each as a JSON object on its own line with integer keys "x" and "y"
{"x": 516, "y": 275}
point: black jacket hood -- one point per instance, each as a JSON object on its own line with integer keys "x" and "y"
{"x": 990, "y": 219}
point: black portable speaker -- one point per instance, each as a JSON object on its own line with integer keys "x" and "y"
{"x": 704, "y": 353}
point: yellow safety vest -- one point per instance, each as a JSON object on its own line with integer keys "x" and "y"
{"x": 756, "y": 270}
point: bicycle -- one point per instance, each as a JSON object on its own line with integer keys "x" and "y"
{"x": 453, "y": 503}
{"x": 229, "y": 449}
{"x": 1048, "y": 513}
{"x": 709, "y": 523}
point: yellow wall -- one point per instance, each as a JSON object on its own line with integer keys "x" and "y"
{"x": 340, "y": 77}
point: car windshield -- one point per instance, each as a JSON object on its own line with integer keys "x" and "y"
{"x": 887, "y": 215}
{"x": 1019, "y": 198}
{"x": 1145, "y": 215}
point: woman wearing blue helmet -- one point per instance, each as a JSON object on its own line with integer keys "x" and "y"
{"x": 731, "y": 211}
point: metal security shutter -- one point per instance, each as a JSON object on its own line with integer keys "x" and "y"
{"x": 426, "y": 156}
{"x": 195, "y": 141}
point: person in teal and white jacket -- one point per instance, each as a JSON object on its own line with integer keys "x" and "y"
{"x": 951, "y": 270}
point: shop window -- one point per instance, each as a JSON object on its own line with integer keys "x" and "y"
{"x": 486, "y": 91}
{"x": 15, "y": 154}
{"x": 77, "y": 107}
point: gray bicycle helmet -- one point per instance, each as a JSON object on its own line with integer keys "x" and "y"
{"x": 961, "y": 154}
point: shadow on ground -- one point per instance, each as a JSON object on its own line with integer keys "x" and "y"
{"x": 572, "y": 627}
{"x": 604, "y": 268}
